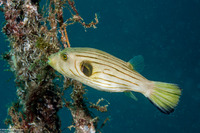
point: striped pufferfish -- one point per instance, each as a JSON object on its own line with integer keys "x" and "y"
{"x": 105, "y": 72}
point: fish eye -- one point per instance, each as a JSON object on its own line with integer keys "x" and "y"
{"x": 64, "y": 56}
{"x": 86, "y": 68}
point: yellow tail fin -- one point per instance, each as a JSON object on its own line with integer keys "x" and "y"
{"x": 165, "y": 96}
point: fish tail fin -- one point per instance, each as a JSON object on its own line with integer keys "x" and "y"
{"x": 164, "y": 96}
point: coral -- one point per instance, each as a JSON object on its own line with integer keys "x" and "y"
{"x": 33, "y": 35}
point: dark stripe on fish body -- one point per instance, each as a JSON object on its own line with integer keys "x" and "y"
{"x": 77, "y": 75}
{"x": 92, "y": 82}
{"x": 73, "y": 72}
{"x": 120, "y": 78}
{"x": 83, "y": 78}
{"x": 125, "y": 67}
{"x": 63, "y": 70}
{"x": 95, "y": 83}
{"x": 115, "y": 69}
{"x": 117, "y": 88}
{"x": 111, "y": 75}
{"x": 111, "y": 57}
{"x": 96, "y": 73}
{"x": 101, "y": 82}
{"x": 110, "y": 81}
{"x": 76, "y": 68}
{"x": 114, "y": 59}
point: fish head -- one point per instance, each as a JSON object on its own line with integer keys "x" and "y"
{"x": 70, "y": 65}
{"x": 62, "y": 61}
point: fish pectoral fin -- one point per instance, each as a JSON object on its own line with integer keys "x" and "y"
{"x": 131, "y": 95}
{"x": 136, "y": 63}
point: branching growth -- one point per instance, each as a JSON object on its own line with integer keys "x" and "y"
{"x": 33, "y": 36}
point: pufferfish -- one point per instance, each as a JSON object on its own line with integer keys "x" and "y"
{"x": 105, "y": 72}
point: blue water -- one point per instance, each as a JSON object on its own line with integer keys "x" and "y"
{"x": 166, "y": 33}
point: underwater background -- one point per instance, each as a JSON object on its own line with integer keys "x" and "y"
{"x": 165, "y": 33}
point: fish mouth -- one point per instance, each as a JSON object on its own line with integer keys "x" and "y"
{"x": 49, "y": 62}
{"x": 52, "y": 61}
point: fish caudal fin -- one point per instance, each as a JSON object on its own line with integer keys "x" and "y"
{"x": 164, "y": 96}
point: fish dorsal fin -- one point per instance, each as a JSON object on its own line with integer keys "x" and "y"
{"x": 136, "y": 63}
{"x": 131, "y": 95}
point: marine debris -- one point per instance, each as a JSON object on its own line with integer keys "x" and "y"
{"x": 34, "y": 34}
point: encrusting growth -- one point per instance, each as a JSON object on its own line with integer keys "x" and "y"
{"x": 33, "y": 35}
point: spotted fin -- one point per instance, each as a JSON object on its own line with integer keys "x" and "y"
{"x": 136, "y": 63}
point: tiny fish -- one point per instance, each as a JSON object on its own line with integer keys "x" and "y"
{"x": 105, "y": 72}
